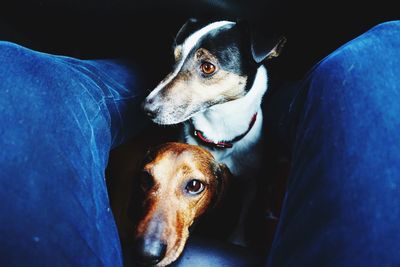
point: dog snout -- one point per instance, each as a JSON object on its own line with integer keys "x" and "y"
{"x": 149, "y": 108}
{"x": 149, "y": 251}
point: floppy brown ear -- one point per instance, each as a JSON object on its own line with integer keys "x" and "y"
{"x": 223, "y": 178}
{"x": 148, "y": 156}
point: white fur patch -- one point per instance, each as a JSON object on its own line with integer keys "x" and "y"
{"x": 225, "y": 121}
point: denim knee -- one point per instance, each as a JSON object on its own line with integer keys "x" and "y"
{"x": 343, "y": 191}
{"x": 55, "y": 138}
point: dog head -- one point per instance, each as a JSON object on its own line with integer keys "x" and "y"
{"x": 179, "y": 183}
{"x": 214, "y": 63}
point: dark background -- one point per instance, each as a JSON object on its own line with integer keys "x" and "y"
{"x": 144, "y": 30}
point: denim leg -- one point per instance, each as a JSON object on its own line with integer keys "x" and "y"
{"x": 59, "y": 117}
{"x": 342, "y": 206}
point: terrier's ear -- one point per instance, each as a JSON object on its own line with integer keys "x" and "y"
{"x": 267, "y": 49}
{"x": 190, "y": 26}
{"x": 263, "y": 44}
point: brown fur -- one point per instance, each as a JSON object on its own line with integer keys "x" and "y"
{"x": 167, "y": 206}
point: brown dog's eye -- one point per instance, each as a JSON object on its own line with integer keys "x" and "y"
{"x": 146, "y": 181}
{"x": 194, "y": 187}
{"x": 207, "y": 68}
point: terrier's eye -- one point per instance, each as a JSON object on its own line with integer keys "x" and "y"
{"x": 194, "y": 187}
{"x": 207, "y": 68}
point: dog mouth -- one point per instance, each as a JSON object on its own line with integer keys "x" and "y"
{"x": 159, "y": 243}
{"x": 174, "y": 118}
{"x": 175, "y": 252}
{"x": 157, "y": 253}
{"x": 179, "y": 114}
{"x": 171, "y": 121}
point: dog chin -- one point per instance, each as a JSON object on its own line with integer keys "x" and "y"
{"x": 176, "y": 253}
{"x": 174, "y": 119}
{"x": 169, "y": 120}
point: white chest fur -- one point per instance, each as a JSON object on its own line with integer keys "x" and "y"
{"x": 226, "y": 121}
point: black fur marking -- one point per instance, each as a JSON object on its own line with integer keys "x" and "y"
{"x": 232, "y": 47}
{"x": 187, "y": 29}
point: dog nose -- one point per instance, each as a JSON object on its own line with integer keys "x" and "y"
{"x": 150, "y": 111}
{"x": 149, "y": 251}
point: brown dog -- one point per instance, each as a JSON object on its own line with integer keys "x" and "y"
{"x": 179, "y": 182}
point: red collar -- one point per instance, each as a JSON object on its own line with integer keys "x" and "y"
{"x": 224, "y": 144}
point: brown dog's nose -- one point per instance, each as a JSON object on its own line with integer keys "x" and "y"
{"x": 149, "y": 251}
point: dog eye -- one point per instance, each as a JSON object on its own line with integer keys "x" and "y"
{"x": 146, "y": 181}
{"x": 207, "y": 68}
{"x": 194, "y": 187}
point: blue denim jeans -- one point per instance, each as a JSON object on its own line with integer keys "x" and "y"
{"x": 59, "y": 118}
{"x": 342, "y": 206}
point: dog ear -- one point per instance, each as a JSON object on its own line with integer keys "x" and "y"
{"x": 223, "y": 178}
{"x": 262, "y": 46}
{"x": 262, "y": 50}
{"x": 135, "y": 205}
{"x": 148, "y": 157}
{"x": 190, "y": 26}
